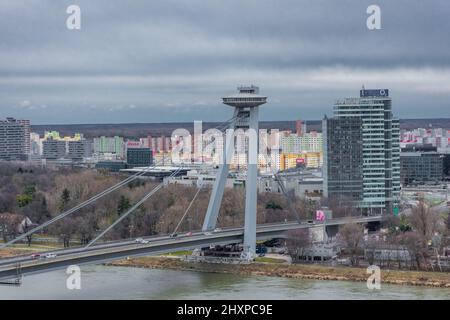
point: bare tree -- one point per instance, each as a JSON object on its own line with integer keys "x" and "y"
{"x": 9, "y": 223}
{"x": 65, "y": 229}
{"x": 351, "y": 236}
{"x": 424, "y": 220}
{"x": 416, "y": 245}
{"x": 296, "y": 241}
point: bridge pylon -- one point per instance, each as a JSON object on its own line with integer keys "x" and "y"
{"x": 245, "y": 120}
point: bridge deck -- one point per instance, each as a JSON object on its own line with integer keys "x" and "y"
{"x": 107, "y": 252}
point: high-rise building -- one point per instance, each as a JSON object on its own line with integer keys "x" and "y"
{"x": 305, "y": 149}
{"x": 437, "y": 137}
{"x": 139, "y": 157}
{"x": 343, "y": 158}
{"x": 75, "y": 150}
{"x": 53, "y": 149}
{"x": 14, "y": 139}
{"x": 307, "y": 142}
{"x": 114, "y": 145}
{"x": 421, "y": 164}
{"x": 290, "y": 143}
{"x": 26, "y": 124}
{"x": 421, "y": 167}
{"x": 35, "y": 146}
{"x": 362, "y": 148}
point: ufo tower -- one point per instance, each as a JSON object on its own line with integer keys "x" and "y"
{"x": 246, "y": 103}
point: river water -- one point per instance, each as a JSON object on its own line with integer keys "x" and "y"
{"x": 106, "y": 282}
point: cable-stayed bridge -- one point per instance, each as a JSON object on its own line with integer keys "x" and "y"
{"x": 114, "y": 250}
{"x": 246, "y": 103}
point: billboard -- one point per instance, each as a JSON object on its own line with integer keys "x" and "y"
{"x": 374, "y": 93}
{"x": 320, "y": 215}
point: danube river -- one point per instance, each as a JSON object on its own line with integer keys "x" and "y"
{"x": 104, "y": 282}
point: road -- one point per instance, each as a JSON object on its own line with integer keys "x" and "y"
{"x": 111, "y": 251}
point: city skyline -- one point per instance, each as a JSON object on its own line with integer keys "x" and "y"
{"x": 211, "y": 150}
{"x": 168, "y": 62}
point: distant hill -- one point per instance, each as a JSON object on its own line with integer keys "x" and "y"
{"x": 136, "y": 130}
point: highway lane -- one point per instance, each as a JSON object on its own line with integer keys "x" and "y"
{"x": 117, "y": 243}
{"x": 130, "y": 244}
{"x": 115, "y": 253}
{"x": 109, "y": 244}
{"x": 122, "y": 243}
{"x": 62, "y": 252}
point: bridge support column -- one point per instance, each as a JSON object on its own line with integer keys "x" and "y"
{"x": 251, "y": 188}
{"x": 245, "y": 103}
{"x": 221, "y": 179}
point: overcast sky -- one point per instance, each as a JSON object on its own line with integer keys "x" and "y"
{"x": 167, "y": 60}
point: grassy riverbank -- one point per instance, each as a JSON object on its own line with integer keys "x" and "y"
{"x": 300, "y": 271}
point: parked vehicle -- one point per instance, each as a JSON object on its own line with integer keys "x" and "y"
{"x": 260, "y": 249}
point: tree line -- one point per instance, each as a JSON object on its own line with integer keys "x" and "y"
{"x": 41, "y": 193}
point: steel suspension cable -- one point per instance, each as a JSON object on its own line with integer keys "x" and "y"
{"x": 89, "y": 201}
{"x": 123, "y": 216}
{"x": 81, "y": 205}
{"x": 187, "y": 209}
{"x": 280, "y": 183}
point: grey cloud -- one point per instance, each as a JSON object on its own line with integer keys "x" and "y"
{"x": 166, "y": 56}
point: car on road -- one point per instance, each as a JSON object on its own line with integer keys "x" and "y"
{"x": 50, "y": 255}
{"x": 217, "y": 229}
{"x": 189, "y": 234}
{"x": 35, "y": 256}
{"x": 174, "y": 235}
{"x": 141, "y": 240}
{"x": 207, "y": 233}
